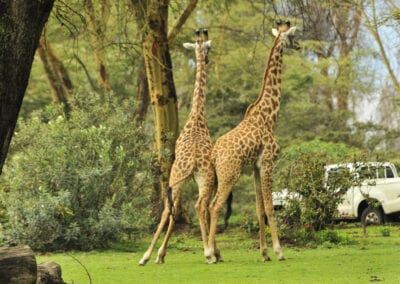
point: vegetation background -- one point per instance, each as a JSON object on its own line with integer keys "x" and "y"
{"x": 88, "y": 159}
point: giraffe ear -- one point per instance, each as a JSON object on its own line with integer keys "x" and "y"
{"x": 207, "y": 43}
{"x": 189, "y": 45}
{"x": 275, "y": 32}
{"x": 291, "y": 31}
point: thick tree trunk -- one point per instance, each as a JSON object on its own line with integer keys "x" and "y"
{"x": 153, "y": 17}
{"x": 21, "y": 23}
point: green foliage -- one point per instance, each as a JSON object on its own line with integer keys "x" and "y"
{"x": 77, "y": 183}
{"x": 315, "y": 199}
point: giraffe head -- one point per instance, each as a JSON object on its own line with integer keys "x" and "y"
{"x": 201, "y": 41}
{"x": 286, "y": 34}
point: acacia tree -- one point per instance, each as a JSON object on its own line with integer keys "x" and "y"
{"x": 21, "y": 23}
{"x": 152, "y": 21}
{"x": 373, "y": 21}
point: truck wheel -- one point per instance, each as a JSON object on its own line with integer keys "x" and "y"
{"x": 372, "y": 215}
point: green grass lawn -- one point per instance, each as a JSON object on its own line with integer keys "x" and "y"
{"x": 365, "y": 260}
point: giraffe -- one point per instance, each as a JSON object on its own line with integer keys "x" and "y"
{"x": 192, "y": 157}
{"x": 252, "y": 142}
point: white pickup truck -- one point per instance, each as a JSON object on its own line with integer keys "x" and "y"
{"x": 380, "y": 184}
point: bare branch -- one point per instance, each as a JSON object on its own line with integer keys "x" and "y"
{"x": 176, "y": 27}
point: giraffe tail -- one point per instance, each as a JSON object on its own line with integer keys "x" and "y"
{"x": 228, "y": 212}
{"x": 170, "y": 201}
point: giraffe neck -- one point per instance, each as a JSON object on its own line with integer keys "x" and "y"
{"x": 199, "y": 95}
{"x": 268, "y": 101}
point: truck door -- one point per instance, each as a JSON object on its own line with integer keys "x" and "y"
{"x": 387, "y": 189}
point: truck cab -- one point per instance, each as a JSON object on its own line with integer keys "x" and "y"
{"x": 376, "y": 195}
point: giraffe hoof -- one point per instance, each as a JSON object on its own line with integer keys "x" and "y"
{"x": 218, "y": 257}
{"x": 282, "y": 258}
{"x": 143, "y": 262}
{"x": 267, "y": 258}
{"x": 211, "y": 260}
{"x": 159, "y": 261}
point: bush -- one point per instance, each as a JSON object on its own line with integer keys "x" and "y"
{"x": 77, "y": 183}
{"x": 302, "y": 173}
{"x": 319, "y": 197}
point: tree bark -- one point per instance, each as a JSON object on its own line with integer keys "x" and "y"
{"x": 21, "y": 23}
{"x": 142, "y": 93}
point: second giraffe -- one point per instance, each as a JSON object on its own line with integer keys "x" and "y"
{"x": 252, "y": 143}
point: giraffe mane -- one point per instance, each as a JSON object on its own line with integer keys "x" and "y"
{"x": 265, "y": 77}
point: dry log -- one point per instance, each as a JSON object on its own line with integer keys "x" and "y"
{"x": 17, "y": 265}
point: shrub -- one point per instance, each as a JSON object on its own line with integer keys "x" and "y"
{"x": 77, "y": 183}
{"x": 319, "y": 197}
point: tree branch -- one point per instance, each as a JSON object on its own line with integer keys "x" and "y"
{"x": 176, "y": 27}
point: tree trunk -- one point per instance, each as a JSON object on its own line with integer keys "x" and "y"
{"x": 153, "y": 17}
{"x": 57, "y": 74}
{"x": 142, "y": 86}
{"x": 97, "y": 23}
{"x": 17, "y": 265}
{"x": 21, "y": 23}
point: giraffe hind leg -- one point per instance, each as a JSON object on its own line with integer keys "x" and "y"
{"x": 266, "y": 186}
{"x": 213, "y": 254}
{"x": 147, "y": 254}
{"x": 261, "y": 215}
{"x": 173, "y": 204}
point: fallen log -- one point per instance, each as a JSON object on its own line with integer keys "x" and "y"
{"x": 17, "y": 265}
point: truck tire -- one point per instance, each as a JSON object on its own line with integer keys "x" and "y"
{"x": 372, "y": 216}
